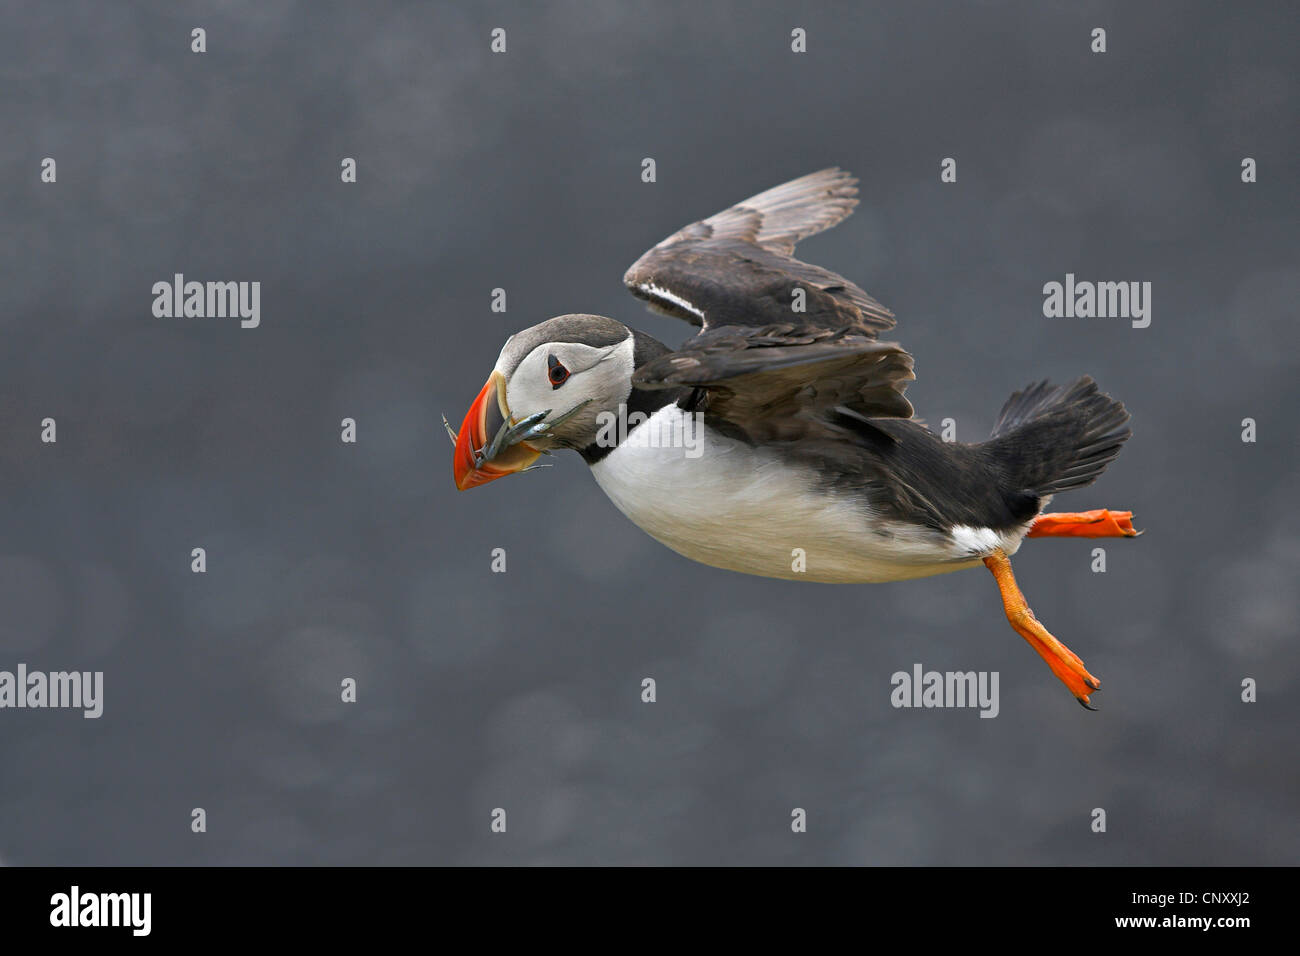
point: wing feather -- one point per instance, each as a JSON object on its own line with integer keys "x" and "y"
{"x": 738, "y": 268}
{"x": 774, "y": 370}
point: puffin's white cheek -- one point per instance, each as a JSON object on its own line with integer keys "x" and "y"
{"x": 524, "y": 400}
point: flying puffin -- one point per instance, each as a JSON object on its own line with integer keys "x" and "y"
{"x": 782, "y": 424}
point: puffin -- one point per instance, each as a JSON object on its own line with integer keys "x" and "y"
{"x": 778, "y": 440}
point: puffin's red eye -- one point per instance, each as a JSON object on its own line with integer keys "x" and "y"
{"x": 556, "y": 372}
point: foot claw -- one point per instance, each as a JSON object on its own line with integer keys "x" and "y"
{"x": 1083, "y": 702}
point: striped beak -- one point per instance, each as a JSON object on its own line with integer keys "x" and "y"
{"x": 485, "y": 419}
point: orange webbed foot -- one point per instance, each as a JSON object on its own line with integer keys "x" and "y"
{"x": 1101, "y": 523}
{"x": 1065, "y": 664}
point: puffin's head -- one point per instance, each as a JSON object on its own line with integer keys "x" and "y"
{"x": 548, "y": 388}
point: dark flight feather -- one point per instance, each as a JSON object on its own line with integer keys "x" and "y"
{"x": 737, "y": 266}
{"x": 767, "y": 369}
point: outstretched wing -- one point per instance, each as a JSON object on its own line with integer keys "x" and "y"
{"x": 738, "y": 267}
{"x": 785, "y": 347}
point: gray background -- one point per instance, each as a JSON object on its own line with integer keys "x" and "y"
{"x": 522, "y": 690}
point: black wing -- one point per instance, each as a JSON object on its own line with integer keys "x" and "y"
{"x": 738, "y": 267}
{"x": 770, "y": 367}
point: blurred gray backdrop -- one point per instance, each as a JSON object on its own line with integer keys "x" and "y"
{"x": 522, "y": 691}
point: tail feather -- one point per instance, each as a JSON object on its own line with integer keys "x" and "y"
{"x": 1051, "y": 439}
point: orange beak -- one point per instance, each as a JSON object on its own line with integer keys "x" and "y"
{"x": 485, "y": 418}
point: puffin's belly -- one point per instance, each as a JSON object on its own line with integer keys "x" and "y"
{"x": 729, "y": 505}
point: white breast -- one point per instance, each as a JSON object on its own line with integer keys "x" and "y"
{"x": 730, "y": 505}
